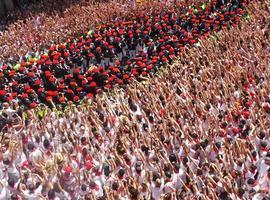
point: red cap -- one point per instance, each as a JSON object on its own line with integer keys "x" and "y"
{"x": 37, "y": 82}
{"x": 90, "y": 95}
{"x": 40, "y": 89}
{"x": 24, "y": 95}
{"x": 93, "y": 84}
{"x": 77, "y": 70}
{"x": 73, "y": 83}
{"x": 125, "y": 76}
{"x": 31, "y": 74}
{"x": 62, "y": 99}
{"x": 48, "y": 98}
{"x": 144, "y": 73}
{"x": 33, "y": 105}
{"x": 76, "y": 98}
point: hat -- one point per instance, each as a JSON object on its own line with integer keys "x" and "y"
{"x": 77, "y": 70}
{"x": 73, "y": 83}
{"x": 30, "y": 146}
{"x": 48, "y": 98}
{"x": 3, "y": 92}
{"x": 76, "y": 98}
{"x": 90, "y": 95}
{"x": 31, "y": 74}
{"x": 93, "y": 84}
{"x": 62, "y": 99}
{"x": 40, "y": 90}
{"x": 125, "y": 76}
{"x": 144, "y": 73}
{"x": 47, "y": 73}
{"x": 38, "y": 82}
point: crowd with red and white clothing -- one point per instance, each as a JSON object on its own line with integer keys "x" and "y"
{"x": 115, "y": 53}
{"x": 197, "y": 130}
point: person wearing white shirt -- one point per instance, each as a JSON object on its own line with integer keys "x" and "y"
{"x": 157, "y": 188}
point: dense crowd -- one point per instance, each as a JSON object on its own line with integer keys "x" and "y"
{"x": 30, "y": 29}
{"x": 199, "y": 129}
{"x": 115, "y": 53}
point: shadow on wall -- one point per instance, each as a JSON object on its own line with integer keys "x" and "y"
{"x": 6, "y": 6}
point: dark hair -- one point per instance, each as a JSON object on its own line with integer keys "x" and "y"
{"x": 14, "y": 197}
{"x": 107, "y": 170}
{"x": 37, "y": 138}
{"x": 6, "y": 161}
{"x": 254, "y": 153}
{"x": 121, "y": 172}
{"x": 115, "y": 186}
{"x": 199, "y": 172}
{"x": 11, "y": 182}
{"x": 177, "y": 166}
{"x": 223, "y": 195}
{"x": 63, "y": 139}
{"x": 263, "y": 144}
{"x": 218, "y": 144}
{"x": 83, "y": 187}
{"x": 133, "y": 192}
{"x": 83, "y": 139}
{"x": 30, "y": 146}
{"x": 250, "y": 181}
{"x": 51, "y": 194}
{"x": 145, "y": 149}
{"x": 185, "y": 160}
{"x": 241, "y": 191}
{"x": 46, "y": 143}
{"x": 155, "y": 176}
{"x": 172, "y": 158}
{"x": 84, "y": 151}
{"x": 168, "y": 174}
{"x": 262, "y": 134}
{"x": 151, "y": 118}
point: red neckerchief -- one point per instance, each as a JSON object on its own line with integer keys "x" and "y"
{"x": 88, "y": 157}
{"x": 79, "y": 148}
{"x": 264, "y": 149}
{"x": 25, "y": 140}
{"x": 98, "y": 173}
{"x": 128, "y": 162}
{"x": 48, "y": 152}
{"x": 109, "y": 134}
{"x": 252, "y": 171}
{"x": 255, "y": 184}
{"x": 96, "y": 187}
{"x": 245, "y": 172}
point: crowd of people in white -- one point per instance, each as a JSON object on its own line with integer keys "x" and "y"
{"x": 197, "y": 130}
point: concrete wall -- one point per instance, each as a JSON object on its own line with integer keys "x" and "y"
{"x": 5, "y": 6}
{"x": 2, "y": 8}
{"x": 9, "y": 4}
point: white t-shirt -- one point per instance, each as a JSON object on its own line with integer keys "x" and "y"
{"x": 157, "y": 191}
{"x": 62, "y": 196}
{"x": 99, "y": 191}
{"x": 169, "y": 187}
{"x": 33, "y": 196}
